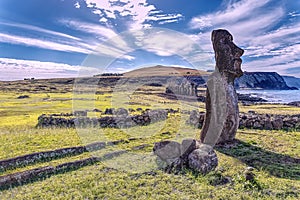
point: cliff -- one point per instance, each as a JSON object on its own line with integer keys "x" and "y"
{"x": 292, "y": 81}
{"x": 262, "y": 80}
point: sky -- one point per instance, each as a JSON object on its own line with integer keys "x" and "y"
{"x": 69, "y": 38}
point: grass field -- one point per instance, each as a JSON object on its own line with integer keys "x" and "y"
{"x": 135, "y": 175}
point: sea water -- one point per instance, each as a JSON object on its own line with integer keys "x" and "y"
{"x": 274, "y": 96}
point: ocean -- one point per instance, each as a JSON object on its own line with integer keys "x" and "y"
{"x": 274, "y": 96}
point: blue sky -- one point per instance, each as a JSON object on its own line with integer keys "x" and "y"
{"x": 56, "y": 38}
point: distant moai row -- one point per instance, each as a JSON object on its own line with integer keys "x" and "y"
{"x": 182, "y": 87}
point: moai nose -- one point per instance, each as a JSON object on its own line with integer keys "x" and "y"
{"x": 238, "y": 51}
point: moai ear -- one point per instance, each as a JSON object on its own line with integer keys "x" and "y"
{"x": 213, "y": 35}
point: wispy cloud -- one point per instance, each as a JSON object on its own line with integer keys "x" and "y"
{"x": 41, "y": 43}
{"x": 233, "y": 12}
{"x": 281, "y": 60}
{"x": 257, "y": 27}
{"x": 100, "y": 31}
{"x": 246, "y": 19}
{"x": 164, "y": 42}
{"x": 14, "y": 69}
{"x": 28, "y": 27}
{"x": 66, "y": 43}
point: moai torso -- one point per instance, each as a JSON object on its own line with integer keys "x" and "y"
{"x": 222, "y": 112}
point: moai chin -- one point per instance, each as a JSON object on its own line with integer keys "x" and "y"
{"x": 222, "y": 111}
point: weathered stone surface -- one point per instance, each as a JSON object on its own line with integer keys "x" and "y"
{"x": 109, "y": 111}
{"x": 221, "y": 90}
{"x": 167, "y": 151}
{"x": 203, "y": 160}
{"x": 22, "y": 177}
{"x": 196, "y": 119}
{"x": 277, "y": 123}
{"x": 187, "y": 146}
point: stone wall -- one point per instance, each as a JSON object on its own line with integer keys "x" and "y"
{"x": 253, "y": 120}
{"x": 119, "y": 119}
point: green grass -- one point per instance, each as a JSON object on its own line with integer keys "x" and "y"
{"x": 25, "y": 140}
{"x": 278, "y": 109}
{"x": 135, "y": 175}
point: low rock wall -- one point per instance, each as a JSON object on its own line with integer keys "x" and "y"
{"x": 115, "y": 121}
{"x": 253, "y": 120}
{"x": 11, "y": 180}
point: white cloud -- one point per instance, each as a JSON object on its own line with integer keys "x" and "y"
{"x": 77, "y": 5}
{"x": 110, "y": 14}
{"x": 103, "y": 19}
{"x": 165, "y": 18}
{"x": 138, "y": 12}
{"x": 14, "y": 69}
{"x": 160, "y": 17}
{"x": 294, "y": 14}
{"x": 168, "y": 21}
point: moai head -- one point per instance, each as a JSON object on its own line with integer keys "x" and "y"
{"x": 227, "y": 54}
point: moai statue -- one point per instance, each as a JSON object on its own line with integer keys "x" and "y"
{"x": 222, "y": 111}
{"x": 193, "y": 91}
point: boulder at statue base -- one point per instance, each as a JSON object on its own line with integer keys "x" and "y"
{"x": 203, "y": 160}
{"x": 189, "y": 154}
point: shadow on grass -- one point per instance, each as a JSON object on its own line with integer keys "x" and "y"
{"x": 279, "y": 165}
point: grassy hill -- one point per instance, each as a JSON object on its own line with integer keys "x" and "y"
{"x": 160, "y": 70}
